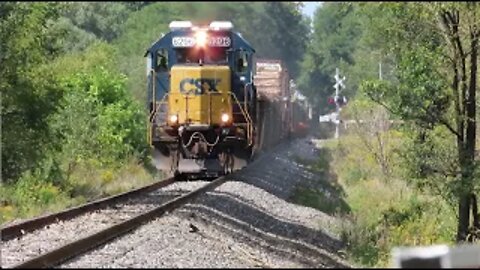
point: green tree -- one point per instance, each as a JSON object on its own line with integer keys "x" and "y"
{"x": 336, "y": 34}
{"x": 74, "y": 39}
{"x": 436, "y": 50}
{"x": 29, "y": 93}
{"x": 97, "y": 117}
{"x": 104, "y": 20}
{"x": 141, "y": 29}
{"x": 278, "y": 30}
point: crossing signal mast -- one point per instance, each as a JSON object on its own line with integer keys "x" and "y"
{"x": 339, "y": 100}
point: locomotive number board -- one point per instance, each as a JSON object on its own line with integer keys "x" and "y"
{"x": 213, "y": 41}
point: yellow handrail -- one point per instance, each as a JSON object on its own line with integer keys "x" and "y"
{"x": 149, "y": 130}
{"x": 156, "y": 106}
{"x": 159, "y": 104}
{"x": 248, "y": 118}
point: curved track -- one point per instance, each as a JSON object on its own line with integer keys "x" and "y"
{"x": 19, "y": 229}
{"x": 75, "y": 248}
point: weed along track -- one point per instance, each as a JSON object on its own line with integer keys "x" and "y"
{"x": 19, "y": 229}
{"x": 246, "y": 222}
{"x": 53, "y": 238}
{"x": 244, "y": 219}
{"x": 84, "y": 244}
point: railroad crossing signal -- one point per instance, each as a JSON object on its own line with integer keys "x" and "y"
{"x": 338, "y": 82}
{"x": 338, "y": 100}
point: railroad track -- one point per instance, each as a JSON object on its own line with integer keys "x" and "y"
{"x": 17, "y": 230}
{"x": 80, "y": 246}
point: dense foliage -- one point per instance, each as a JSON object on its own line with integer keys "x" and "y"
{"x": 419, "y": 63}
{"x": 72, "y": 83}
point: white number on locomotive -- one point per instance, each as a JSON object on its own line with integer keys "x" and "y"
{"x": 219, "y": 42}
{"x": 183, "y": 42}
{"x": 212, "y": 42}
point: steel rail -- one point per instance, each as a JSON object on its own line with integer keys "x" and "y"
{"x": 17, "y": 230}
{"x": 76, "y": 248}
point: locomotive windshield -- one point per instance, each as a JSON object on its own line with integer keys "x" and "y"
{"x": 208, "y": 55}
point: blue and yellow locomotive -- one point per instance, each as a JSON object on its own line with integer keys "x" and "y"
{"x": 201, "y": 98}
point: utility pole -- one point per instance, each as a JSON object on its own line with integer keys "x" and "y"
{"x": 380, "y": 58}
{"x": 338, "y": 83}
{"x": 380, "y": 70}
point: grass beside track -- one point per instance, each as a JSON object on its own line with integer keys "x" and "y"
{"x": 34, "y": 197}
{"x": 376, "y": 214}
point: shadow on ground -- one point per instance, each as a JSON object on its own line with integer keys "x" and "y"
{"x": 323, "y": 192}
{"x": 302, "y": 177}
{"x": 246, "y": 222}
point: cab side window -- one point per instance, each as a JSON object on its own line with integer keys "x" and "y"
{"x": 242, "y": 62}
{"x": 162, "y": 60}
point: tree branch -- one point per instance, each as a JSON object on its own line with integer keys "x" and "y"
{"x": 447, "y": 125}
{"x": 440, "y": 120}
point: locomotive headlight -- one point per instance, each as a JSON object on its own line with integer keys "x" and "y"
{"x": 225, "y": 117}
{"x": 173, "y": 119}
{"x": 201, "y": 37}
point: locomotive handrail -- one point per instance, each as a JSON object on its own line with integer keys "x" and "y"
{"x": 154, "y": 101}
{"x": 162, "y": 101}
{"x": 152, "y": 113}
{"x": 248, "y": 118}
{"x": 155, "y": 107}
{"x": 250, "y": 126}
{"x": 245, "y": 95}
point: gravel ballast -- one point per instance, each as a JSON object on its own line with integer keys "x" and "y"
{"x": 249, "y": 221}
{"x": 57, "y": 234}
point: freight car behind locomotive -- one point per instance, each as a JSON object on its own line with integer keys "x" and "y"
{"x": 274, "y": 112}
{"x": 300, "y": 119}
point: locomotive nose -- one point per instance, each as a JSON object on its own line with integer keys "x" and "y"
{"x": 200, "y": 95}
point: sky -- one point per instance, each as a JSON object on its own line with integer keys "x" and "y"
{"x": 310, "y": 7}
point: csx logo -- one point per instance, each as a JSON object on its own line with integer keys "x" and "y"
{"x": 198, "y": 86}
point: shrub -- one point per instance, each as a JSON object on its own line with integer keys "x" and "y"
{"x": 387, "y": 212}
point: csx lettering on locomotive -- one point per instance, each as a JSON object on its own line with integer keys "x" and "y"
{"x": 199, "y": 86}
